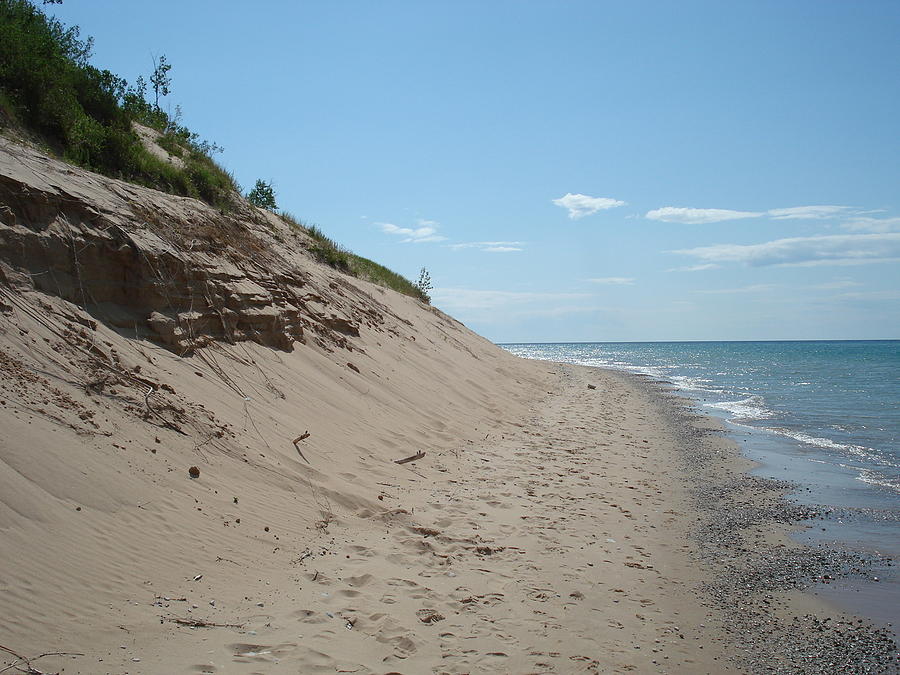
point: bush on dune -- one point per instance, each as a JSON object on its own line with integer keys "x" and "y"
{"x": 49, "y": 89}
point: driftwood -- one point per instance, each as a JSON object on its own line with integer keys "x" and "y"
{"x": 297, "y": 440}
{"x": 200, "y": 623}
{"x": 412, "y": 458}
{"x": 26, "y": 661}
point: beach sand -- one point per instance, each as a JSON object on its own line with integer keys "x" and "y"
{"x": 543, "y": 530}
{"x": 191, "y": 489}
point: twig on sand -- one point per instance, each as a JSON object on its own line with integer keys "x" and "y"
{"x": 200, "y": 623}
{"x": 412, "y": 458}
{"x": 151, "y": 389}
{"x": 299, "y": 438}
{"x": 26, "y": 661}
{"x": 221, "y": 559}
{"x": 306, "y": 554}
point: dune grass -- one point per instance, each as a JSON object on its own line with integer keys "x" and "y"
{"x": 331, "y": 253}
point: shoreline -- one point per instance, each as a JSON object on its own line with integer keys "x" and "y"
{"x": 763, "y": 577}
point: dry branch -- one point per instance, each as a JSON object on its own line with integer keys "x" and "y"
{"x": 412, "y": 458}
{"x": 297, "y": 440}
{"x": 200, "y": 623}
{"x": 26, "y": 661}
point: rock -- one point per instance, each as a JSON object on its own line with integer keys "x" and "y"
{"x": 194, "y": 472}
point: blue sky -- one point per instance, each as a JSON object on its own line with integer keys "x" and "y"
{"x": 566, "y": 170}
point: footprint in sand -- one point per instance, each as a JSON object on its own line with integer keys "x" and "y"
{"x": 253, "y": 653}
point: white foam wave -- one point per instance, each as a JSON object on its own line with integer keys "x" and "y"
{"x": 873, "y": 478}
{"x": 860, "y": 451}
{"x": 696, "y": 384}
{"x": 750, "y": 408}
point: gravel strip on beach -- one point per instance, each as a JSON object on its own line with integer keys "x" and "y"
{"x": 741, "y": 533}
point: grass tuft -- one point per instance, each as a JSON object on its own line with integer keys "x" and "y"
{"x": 328, "y": 251}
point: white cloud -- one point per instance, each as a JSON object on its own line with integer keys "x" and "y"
{"x": 837, "y": 249}
{"x": 695, "y": 268}
{"x": 692, "y": 216}
{"x": 689, "y": 216}
{"x": 491, "y": 246}
{"x": 807, "y": 212}
{"x": 613, "y": 281}
{"x": 580, "y": 206}
{"x": 868, "y": 224}
{"x": 426, "y": 232}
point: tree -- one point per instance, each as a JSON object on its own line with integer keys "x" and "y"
{"x": 423, "y": 285}
{"x": 160, "y": 79}
{"x": 262, "y": 195}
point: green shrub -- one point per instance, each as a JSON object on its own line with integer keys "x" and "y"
{"x": 263, "y": 195}
{"x": 48, "y": 88}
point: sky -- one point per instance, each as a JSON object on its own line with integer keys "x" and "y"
{"x": 566, "y": 170}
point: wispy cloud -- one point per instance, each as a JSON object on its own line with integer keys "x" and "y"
{"x": 613, "y": 281}
{"x": 695, "y": 268}
{"x": 690, "y": 216}
{"x": 754, "y": 288}
{"x": 693, "y": 216}
{"x": 870, "y": 295}
{"x": 807, "y": 212}
{"x": 838, "y": 249}
{"x": 869, "y": 224}
{"x": 501, "y": 249}
{"x": 580, "y": 205}
{"x": 425, "y": 232}
{"x": 835, "y": 285}
{"x": 490, "y": 246}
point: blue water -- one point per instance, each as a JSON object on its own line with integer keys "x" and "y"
{"x": 838, "y": 399}
{"x": 824, "y": 414}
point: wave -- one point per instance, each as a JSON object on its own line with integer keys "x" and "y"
{"x": 861, "y": 451}
{"x": 750, "y": 408}
{"x": 873, "y": 478}
{"x": 697, "y": 384}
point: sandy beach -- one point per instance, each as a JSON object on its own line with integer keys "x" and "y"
{"x": 540, "y": 534}
{"x": 199, "y": 473}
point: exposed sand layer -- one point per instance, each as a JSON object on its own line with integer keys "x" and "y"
{"x": 200, "y": 428}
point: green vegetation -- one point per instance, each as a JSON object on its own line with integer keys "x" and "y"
{"x": 262, "y": 195}
{"x": 423, "y": 284}
{"x": 49, "y": 91}
{"x": 331, "y": 253}
{"x": 84, "y": 114}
